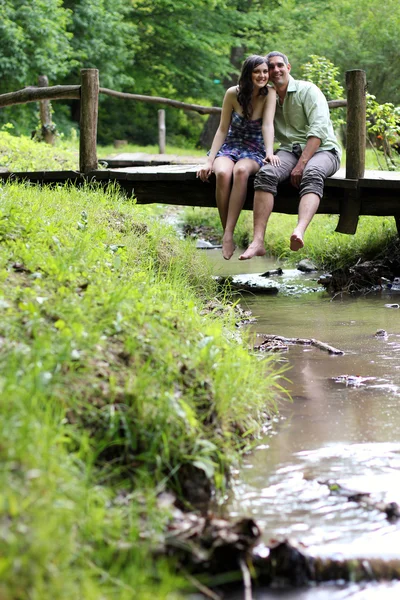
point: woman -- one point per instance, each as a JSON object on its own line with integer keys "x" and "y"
{"x": 243, "y": 142}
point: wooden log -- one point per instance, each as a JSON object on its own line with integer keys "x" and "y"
{"x": 355, "y": 148}
{"x": 356, "y": 84}
{"x": 48, "y": 129}
{"x": 161, "y": 131}
{"x": 72, "y": 92}
{"x": 337, "y": 104}
{"x": 35, "y": 94}
{"x": 88, "y": 120}
{"x": 203, "y": 110}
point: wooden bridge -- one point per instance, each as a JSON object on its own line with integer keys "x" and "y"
{"x": 349, "y": 193}
{"x": 377, "y": 193}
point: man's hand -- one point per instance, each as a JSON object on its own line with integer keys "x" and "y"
{"x": 297, "y": 174}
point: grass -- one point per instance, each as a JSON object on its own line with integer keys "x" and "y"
{"x": 326, "y": 248}
{"x": 104, "y": 151}
{"x": 25, "y": 154}
{"x": 118, "y": 374}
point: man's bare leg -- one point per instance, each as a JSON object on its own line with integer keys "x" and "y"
{"x": 263, "y": 205}
{"x": 307, "y": 208}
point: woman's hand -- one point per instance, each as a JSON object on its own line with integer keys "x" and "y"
{"x": 205, "y": 172}
{"x": 273, "y": 159}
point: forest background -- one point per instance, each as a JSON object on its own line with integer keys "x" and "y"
{"x": 188, "y": 50}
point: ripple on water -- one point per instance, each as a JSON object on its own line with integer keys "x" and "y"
{"x": 296, "y": 501}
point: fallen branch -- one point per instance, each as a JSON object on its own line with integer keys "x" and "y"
{"x": 265, "y": 345}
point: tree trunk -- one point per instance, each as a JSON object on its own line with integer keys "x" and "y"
{"x": 48, "y": 130}
{"x": 211, "y": 125}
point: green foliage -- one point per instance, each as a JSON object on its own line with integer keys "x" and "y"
{"x": 24, "y": 154}
{"x": 353, "y": 35}
{"x": 116, "y": 373}
{"x": 33, "y": 41}
{"x": 323, "y": 73}
{"x": 182, "y": 50}
{"x": 178, "y": 49}
{"x": 383, "y": 122}
{"x": 103, "y": 36}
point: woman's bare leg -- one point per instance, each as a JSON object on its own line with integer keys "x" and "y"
{"x": 223, "y": 169}
{"x": 241, "y": 173}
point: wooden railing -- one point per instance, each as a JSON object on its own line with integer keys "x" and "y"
{"x": 88, "y": 91}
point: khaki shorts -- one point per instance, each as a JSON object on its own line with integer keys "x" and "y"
{"x": 320, "y": 166}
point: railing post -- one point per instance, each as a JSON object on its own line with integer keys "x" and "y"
{"x": 88, "y": 120}
{"x": 161, "y": 131}
{"x": 48, "y": 129}
{"x": 356, "y": 84}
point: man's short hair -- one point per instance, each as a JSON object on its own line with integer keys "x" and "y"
{"x": 283, "y": 56}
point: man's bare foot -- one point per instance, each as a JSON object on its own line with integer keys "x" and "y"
{"x": 228, "y": 248}
{"x": 255, "y": 249}
{"x": 296, "y": 242}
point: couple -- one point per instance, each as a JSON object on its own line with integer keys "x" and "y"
{"x": 297, "y": 113}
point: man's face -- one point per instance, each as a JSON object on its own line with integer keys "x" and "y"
{"x": 278, "y": 71}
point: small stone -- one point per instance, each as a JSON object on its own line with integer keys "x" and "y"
{"x": 306, "y": 266}
{"x": 381, "y": 333}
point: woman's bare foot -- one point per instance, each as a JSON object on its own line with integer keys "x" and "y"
{"x": 255, "y": 249}
{"x": 296, "y": 241}
{"x": 228, "y": 247}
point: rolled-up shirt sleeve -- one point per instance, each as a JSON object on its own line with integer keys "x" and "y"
{"x": 317, "y": 111}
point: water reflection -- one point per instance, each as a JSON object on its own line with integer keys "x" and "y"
{"x": 343, "y": 425}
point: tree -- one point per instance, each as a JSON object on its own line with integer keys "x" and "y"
{"x": 33, "y": 41}
{"x": 103, "y": 36}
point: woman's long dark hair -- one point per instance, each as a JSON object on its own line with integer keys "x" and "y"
{"x": 245, "y": 84}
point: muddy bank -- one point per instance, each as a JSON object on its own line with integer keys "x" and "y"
{"x": 381, "y": 272}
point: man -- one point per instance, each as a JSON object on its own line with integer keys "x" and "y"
{"x": 309, "y": 153}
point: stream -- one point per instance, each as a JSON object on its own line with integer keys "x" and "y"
{"x": 343, "y": 424}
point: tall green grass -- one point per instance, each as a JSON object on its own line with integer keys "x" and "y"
{"x": 117, "y": 375}
{"x": 326, "y": 248}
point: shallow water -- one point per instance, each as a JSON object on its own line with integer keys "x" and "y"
{"x": 343, "y": 425}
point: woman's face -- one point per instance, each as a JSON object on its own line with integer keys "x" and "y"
{"x": 260, "y": 75}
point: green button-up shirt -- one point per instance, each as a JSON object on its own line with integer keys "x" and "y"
{"x": 304, "y": 114}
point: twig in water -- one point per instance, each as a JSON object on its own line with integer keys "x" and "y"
{"x": 306, "y": 341}
{"x": 246, "y": 580}
{"x": 201, "y": 587}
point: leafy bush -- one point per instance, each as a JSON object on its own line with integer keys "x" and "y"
{"x": 323, "y": 73}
